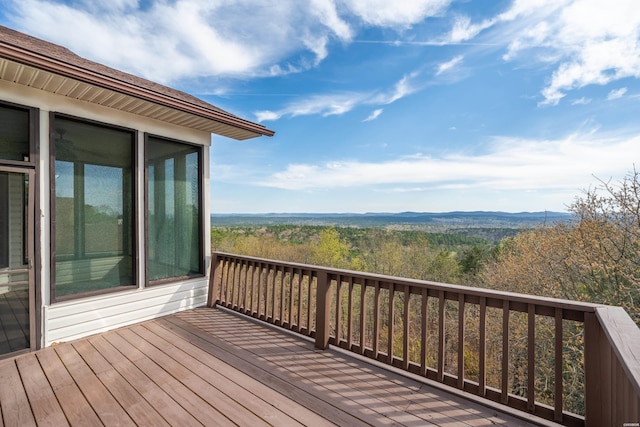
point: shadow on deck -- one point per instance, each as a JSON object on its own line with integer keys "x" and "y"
{"x": 210, "y": 367}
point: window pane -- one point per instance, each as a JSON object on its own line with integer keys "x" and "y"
{"x": 93, "y": 208}
{"x": 14, "y": 134}
{"x": 175, "y": 243}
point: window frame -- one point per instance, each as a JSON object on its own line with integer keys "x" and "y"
{"x": 201, "y": 211}
{"x": 52, "y": 202}
{"x": 4, "y": 222}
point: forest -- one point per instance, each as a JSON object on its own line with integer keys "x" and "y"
{"x": 594, "y": 257}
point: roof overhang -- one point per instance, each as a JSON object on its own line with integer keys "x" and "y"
{"x": 49, "y": 74}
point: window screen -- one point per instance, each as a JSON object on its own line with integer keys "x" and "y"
{"x": 14, "y": 134}
{"x": 174, "y": 211}
{"x": 94, "y": 199}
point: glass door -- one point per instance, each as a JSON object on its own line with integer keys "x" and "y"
{"x": 16, "y": 260}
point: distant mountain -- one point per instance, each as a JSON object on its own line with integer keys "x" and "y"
{"x": 378, "y": 219}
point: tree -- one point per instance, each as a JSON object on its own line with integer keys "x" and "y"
{"x": 331, "y": 250}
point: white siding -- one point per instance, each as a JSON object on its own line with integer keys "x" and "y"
{"x": 79, "y": 318}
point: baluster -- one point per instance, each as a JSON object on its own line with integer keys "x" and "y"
{"x": 244, "y": 277}
{"x": 441, "y": 341}
{"x": 405, "y": 338}
{"x": 531, "y": 365}
{"x": 424, "y": 339}
{"x": 504, "y": 398}
{"x": 273, "y": 299}
{"x": 299, "y": 311}
{"x": 391, "y": 321}
{"x": 557, "y": 395}
{"x": 309, "y": 283}
{"x": 282, "y": 296}
{"x": 376, "y": 320}
{"x": 233, "y": 302}
{"x": 350, "y": 315}
{"x": 260, "y": 290}
{"x": 482, "y": 348}
{"x": 338, "y": 309}
{"x": 461, "y": 306}
{"x": 289, "y": 272}
{"x": 363, "y": 311}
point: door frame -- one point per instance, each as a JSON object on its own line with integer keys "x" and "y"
{"x": 30, "y": 237}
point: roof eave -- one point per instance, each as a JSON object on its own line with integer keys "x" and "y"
{"x": 87, "y": 76}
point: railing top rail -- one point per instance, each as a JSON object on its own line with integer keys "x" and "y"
{"x": 624, "y": 336}
{"x": 466, "y": 290}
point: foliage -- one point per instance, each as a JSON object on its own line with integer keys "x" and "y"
{"x": 404, "y": 253}
{"x": 595, "y": 259}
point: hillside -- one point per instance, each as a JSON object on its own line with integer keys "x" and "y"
{"x": 491, "y": 226}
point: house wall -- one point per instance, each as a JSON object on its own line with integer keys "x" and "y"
{"x": 64, "y": 321}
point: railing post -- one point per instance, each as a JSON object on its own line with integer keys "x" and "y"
{"x": 214, "y": 280}
{"x": 323, "y": 310}
{"x": 597, "y": 373}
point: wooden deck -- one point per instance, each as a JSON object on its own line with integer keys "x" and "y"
{"x": 210, "y": 367}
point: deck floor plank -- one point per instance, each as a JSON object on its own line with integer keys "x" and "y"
{"x": 132, "y": 402}
{"x": 73, "y": 403}
{"x": 297, "y": 391}
{"x": 16, "y": 409}
{"x": 271, "y": 414}
{"x": 211, "y": 367}
{"x": 286, "y": 353}
{"x": 327, "y": 371}
{"x": 163, "y": 381}
{"x": 104, "y": 404}
{"x": 43, "y": 402}
{"x": 162, "y": 402}
{"x": 192, "y": 381}
{"x": 237, "y": 378}
{"x": 241, "y": 381}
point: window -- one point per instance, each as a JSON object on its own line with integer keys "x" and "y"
{"x": 94, "y": 233}
{"x": 174, "y": 210}
{"x": 14, "y": 134}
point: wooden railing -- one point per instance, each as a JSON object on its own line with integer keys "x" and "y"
{"x": 506, "y": 347}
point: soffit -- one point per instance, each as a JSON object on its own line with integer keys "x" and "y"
{"x": 65, "y": 86}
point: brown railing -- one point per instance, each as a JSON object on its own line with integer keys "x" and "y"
{"x": 498, "y": 345}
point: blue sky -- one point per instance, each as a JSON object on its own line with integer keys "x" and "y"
{"x": 383, "y": 106}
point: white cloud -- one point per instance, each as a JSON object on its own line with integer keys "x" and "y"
{"x": 403, "y": 87}
{"x": 340, "y": 103}
{"x": 616, "y": 94}
{"x": 166, "y": 41}
{"x": 400, "y": 14}
{"x": 169, "y": 40}
{"x": 325, "y": 11}
{"x": 324, "y": 105}
{"x": 581, "y": 101}
{"x": 464, "y": 30}
{"x": 374, "y": 115}
{"x": 587, "y": 41}
{"x": 446, "y": 66}
{"x": 511, "y": 164}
